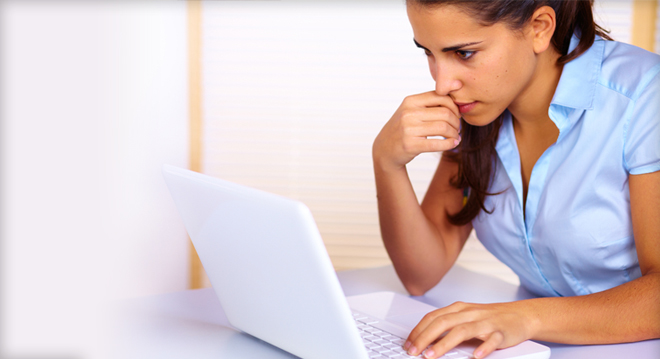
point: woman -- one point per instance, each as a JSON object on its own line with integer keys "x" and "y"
{"x": 554, "y": 159}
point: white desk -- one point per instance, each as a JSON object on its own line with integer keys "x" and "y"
{"x": 192, "y": 324}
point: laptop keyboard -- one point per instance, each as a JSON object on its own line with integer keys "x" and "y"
{"x": 383, "y": 344}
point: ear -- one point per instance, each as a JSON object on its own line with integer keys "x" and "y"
{"x": 542, "y": 23}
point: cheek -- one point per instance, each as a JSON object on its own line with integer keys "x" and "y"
{"x": 504, "y": 75}
{"x": 487, "y": 80}
{"x": 520, "y": 65}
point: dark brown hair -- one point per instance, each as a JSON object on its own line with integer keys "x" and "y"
{"x": 476, "y": 153}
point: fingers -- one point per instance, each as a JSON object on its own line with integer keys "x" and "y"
{"x": 436, "y": 129}
{"x": 432, "y": 99}
{"x": 434, "y": 324}
{"x": 430, "y": 317}
{"x": 426, "y": 122}
{"x": 421, "y": 123}
{"x": 458, "y": 322}
{"x": 423, "y": 138}
{"x": 425, "y": 108}
{"x": 489, "y": 345}
{"x": 461, "y": 333}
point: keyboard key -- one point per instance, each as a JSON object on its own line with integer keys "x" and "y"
{"x": 456, "y": 354}
{"x": 380, "y": 343}
{"x": 398, "y": 341}
{"x": 381, "y": 350}
{"x": 371, "y": 345}
{"x": 373, "y": 354}
{"x": 368, "y": 321}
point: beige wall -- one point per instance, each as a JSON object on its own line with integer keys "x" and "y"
{"x": 645, "y": 14}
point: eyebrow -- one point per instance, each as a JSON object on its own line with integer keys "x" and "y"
{"x": 448, "y": 49}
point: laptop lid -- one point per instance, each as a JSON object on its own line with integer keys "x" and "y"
{"x": 268, "y": 266}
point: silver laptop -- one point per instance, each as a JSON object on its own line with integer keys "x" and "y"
{"x": 269, "y": 268}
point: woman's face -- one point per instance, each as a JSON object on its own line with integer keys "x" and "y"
{"x": 483, "y": 69}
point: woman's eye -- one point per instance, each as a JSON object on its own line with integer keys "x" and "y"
{"x": 464, "y": 54}
{"x": 428, "y": 53}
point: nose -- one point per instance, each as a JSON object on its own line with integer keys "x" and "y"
{"x": 446, "y": 80}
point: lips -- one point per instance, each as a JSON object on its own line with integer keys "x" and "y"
{"x": 465, "y": 107}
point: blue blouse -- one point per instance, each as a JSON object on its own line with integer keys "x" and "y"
{"x": 577, "y": 236}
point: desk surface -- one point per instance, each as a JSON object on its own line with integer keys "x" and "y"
{"x": 192, "y": 324}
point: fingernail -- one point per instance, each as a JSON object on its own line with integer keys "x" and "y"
{"x": 407, "y": 345}
{"x": 428, "y": 353}
{"x": 412, "y": 351}
{"x": 478, "y": 354}
{"x": 456, "y": 142}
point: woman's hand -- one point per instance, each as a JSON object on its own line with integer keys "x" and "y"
{"x": 500, "y": 325}
{"x": 406, "y": 134}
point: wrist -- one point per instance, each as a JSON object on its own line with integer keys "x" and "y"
{"x": 533, "y": 318}
{"x": 386, "y": 167}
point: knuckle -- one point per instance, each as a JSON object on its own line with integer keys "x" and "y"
{"x": 409, "y": 117}
{"x": 407, "y": 146}
{"x": 429, "y": 316}
{"x": 406, "y": 114}
{"x": 408, "y": 99}
{"x": 407, "y": 131}
{"x": 458, "y": 305}
{"x": 497, "y": 336}
{"x": 447, "y": 112}
{"x": 461, "y": 330}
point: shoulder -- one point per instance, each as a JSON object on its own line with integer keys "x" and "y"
{"x": 632, "y": 78}
{"x": 627, "y": 69}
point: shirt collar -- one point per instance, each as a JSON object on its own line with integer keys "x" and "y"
{"x": 579, "y": 78}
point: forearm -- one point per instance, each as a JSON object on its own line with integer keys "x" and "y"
{"x": 412, "y": 241}
{"x": 627, "y": 313}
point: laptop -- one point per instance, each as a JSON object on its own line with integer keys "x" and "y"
{"x": 269, "y": 268}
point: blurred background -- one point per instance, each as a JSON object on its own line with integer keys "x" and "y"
{"x": 286, "y": 96}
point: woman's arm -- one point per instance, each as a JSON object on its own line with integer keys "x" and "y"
{"x": 419, "y": 240}
{"x": 626, "y": 313}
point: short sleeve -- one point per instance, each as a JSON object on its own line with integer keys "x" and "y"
{"x": 642, "y": 137}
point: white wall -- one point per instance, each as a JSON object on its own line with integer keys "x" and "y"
{"x": 94, "y": 100}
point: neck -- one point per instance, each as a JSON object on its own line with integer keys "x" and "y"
{"x": 530, "y": 108}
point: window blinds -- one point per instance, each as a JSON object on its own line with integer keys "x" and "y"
{"x": 615, "y": 16}
{"x": 294, "y": 94}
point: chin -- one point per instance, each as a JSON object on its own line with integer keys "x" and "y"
{"x": 479, "y": 121}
